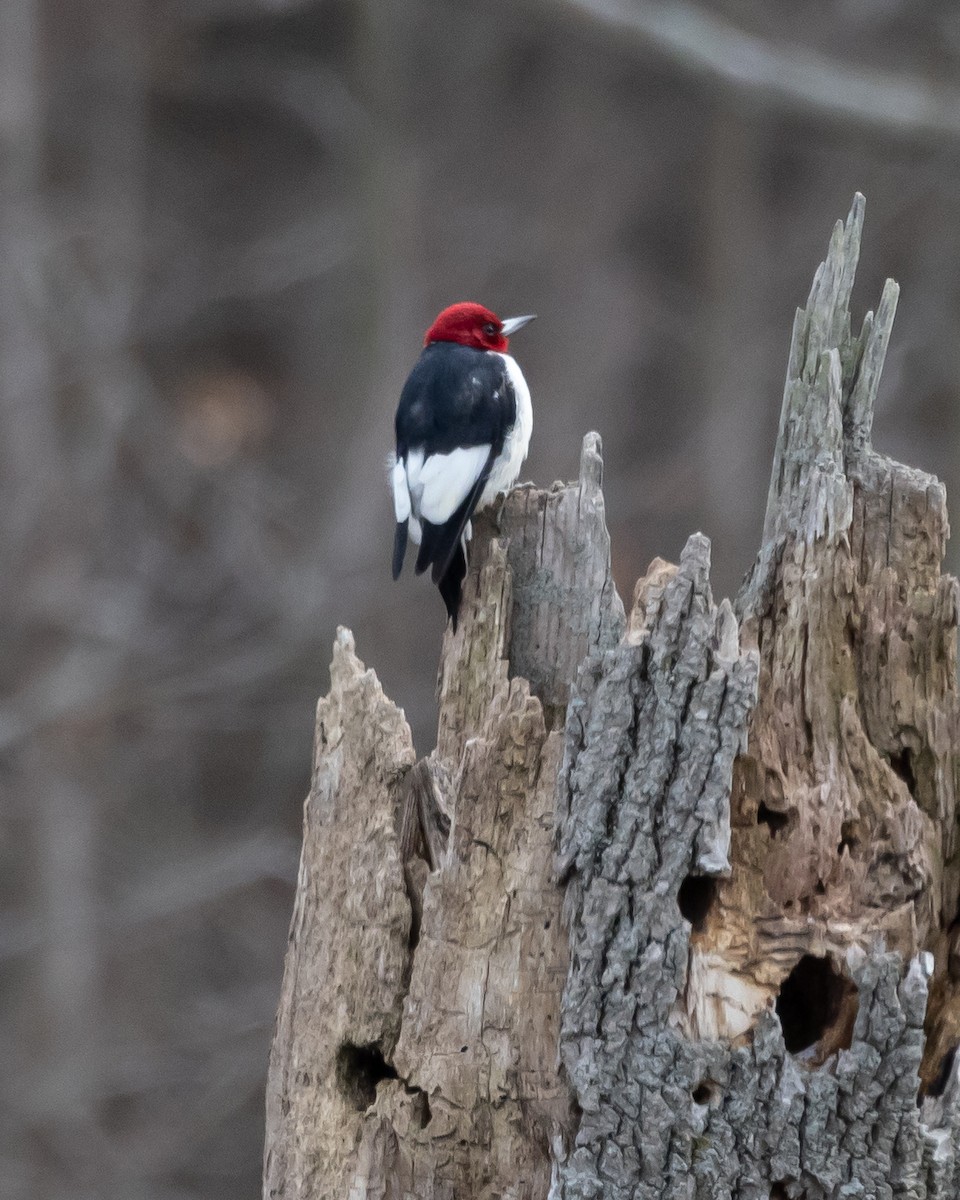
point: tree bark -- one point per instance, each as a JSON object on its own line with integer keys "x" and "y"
{"x": 666, "y": 911}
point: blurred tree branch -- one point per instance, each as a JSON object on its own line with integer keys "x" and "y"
{"x": 791, "y": 76}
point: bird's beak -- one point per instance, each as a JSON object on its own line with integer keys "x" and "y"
{"x": 512, "y": 324}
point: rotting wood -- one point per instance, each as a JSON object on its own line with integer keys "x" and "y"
{"x": 709, "y": 853}
{"x": 842, "y": 813}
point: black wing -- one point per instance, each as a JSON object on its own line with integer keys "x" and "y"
{"x": 455, "y": 396}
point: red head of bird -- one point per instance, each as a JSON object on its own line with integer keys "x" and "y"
{"x": 476, "y": 326}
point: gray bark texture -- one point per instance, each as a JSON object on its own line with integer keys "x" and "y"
{"x": 670, "y": 911}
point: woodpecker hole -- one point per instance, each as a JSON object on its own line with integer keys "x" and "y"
{"x": 420, "y": 1108}
{"x": 939, "y": 1083}
{"x": 817, "y": 1005}
{"x": 778, "y": 1191}
{"x": 554, "y": 716}
{"x": 358, "y": 1071}
{"x": 705, "y": 1091}
{"x": 695, "y": 899}
{"x": 902, "y": 766}
{"x": 774, "y": 821}
{"x": 849, "y": 837}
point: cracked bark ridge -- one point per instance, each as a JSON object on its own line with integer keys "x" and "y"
{"x": 651, "y": 738}
{"x": 416, "y": 1051}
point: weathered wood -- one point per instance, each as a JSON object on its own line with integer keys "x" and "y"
{"x": 659, "y": 916}
{"x": 348, "y": 960}
{"x": 454, "y": 947}
{"x": 843, "y": 811}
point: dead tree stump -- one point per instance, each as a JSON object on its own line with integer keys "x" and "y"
{"x": 671, "y": 910}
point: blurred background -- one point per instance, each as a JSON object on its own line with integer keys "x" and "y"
{"x": 224, "y": 226}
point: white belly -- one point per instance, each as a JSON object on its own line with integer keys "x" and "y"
{"x": 507, "y": 466}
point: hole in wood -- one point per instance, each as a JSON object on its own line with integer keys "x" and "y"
{"x": 953, "y": 949}
{"x": 778, "y": 1191}
{"x": 358, "y": 1071}
{"x": 420, "y": 1108}
{"x": 939, "y": 1083}
{"x": 695, "y": 899}
{"x": 554, "y": 716}
{"x": 774, "y": 821}
{"x": 817, "y": 1007}
{"x": 902, "y": 765}
{"x": 849, "y": 837}
{"x": 704, "y": 1092}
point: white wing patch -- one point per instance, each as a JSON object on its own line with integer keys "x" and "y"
{"x": 401, "y": 493}
{"x": 439, "y": 484}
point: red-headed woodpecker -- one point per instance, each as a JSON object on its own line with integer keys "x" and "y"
{"x": 463, "y": 428}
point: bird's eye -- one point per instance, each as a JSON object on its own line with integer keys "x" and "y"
{"x": 490, "y": 329}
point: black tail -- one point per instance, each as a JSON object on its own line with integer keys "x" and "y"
{"x": 449, "y": 563}
{"x": 431, "y": 549}
{"x": 399, "y": 547}
{"x": 439, "y": 543}
{"x": 451, "y": 583}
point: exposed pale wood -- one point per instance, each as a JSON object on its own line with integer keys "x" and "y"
{"x": 854, "y": 745}
{"x": 536, "y": 602}
{"x": 454, "y": 947}
{"x": 348, "y": 960}
{"x": 669, "y": 911}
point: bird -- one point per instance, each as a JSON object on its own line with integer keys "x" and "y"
{"x": 463, "y": 429}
